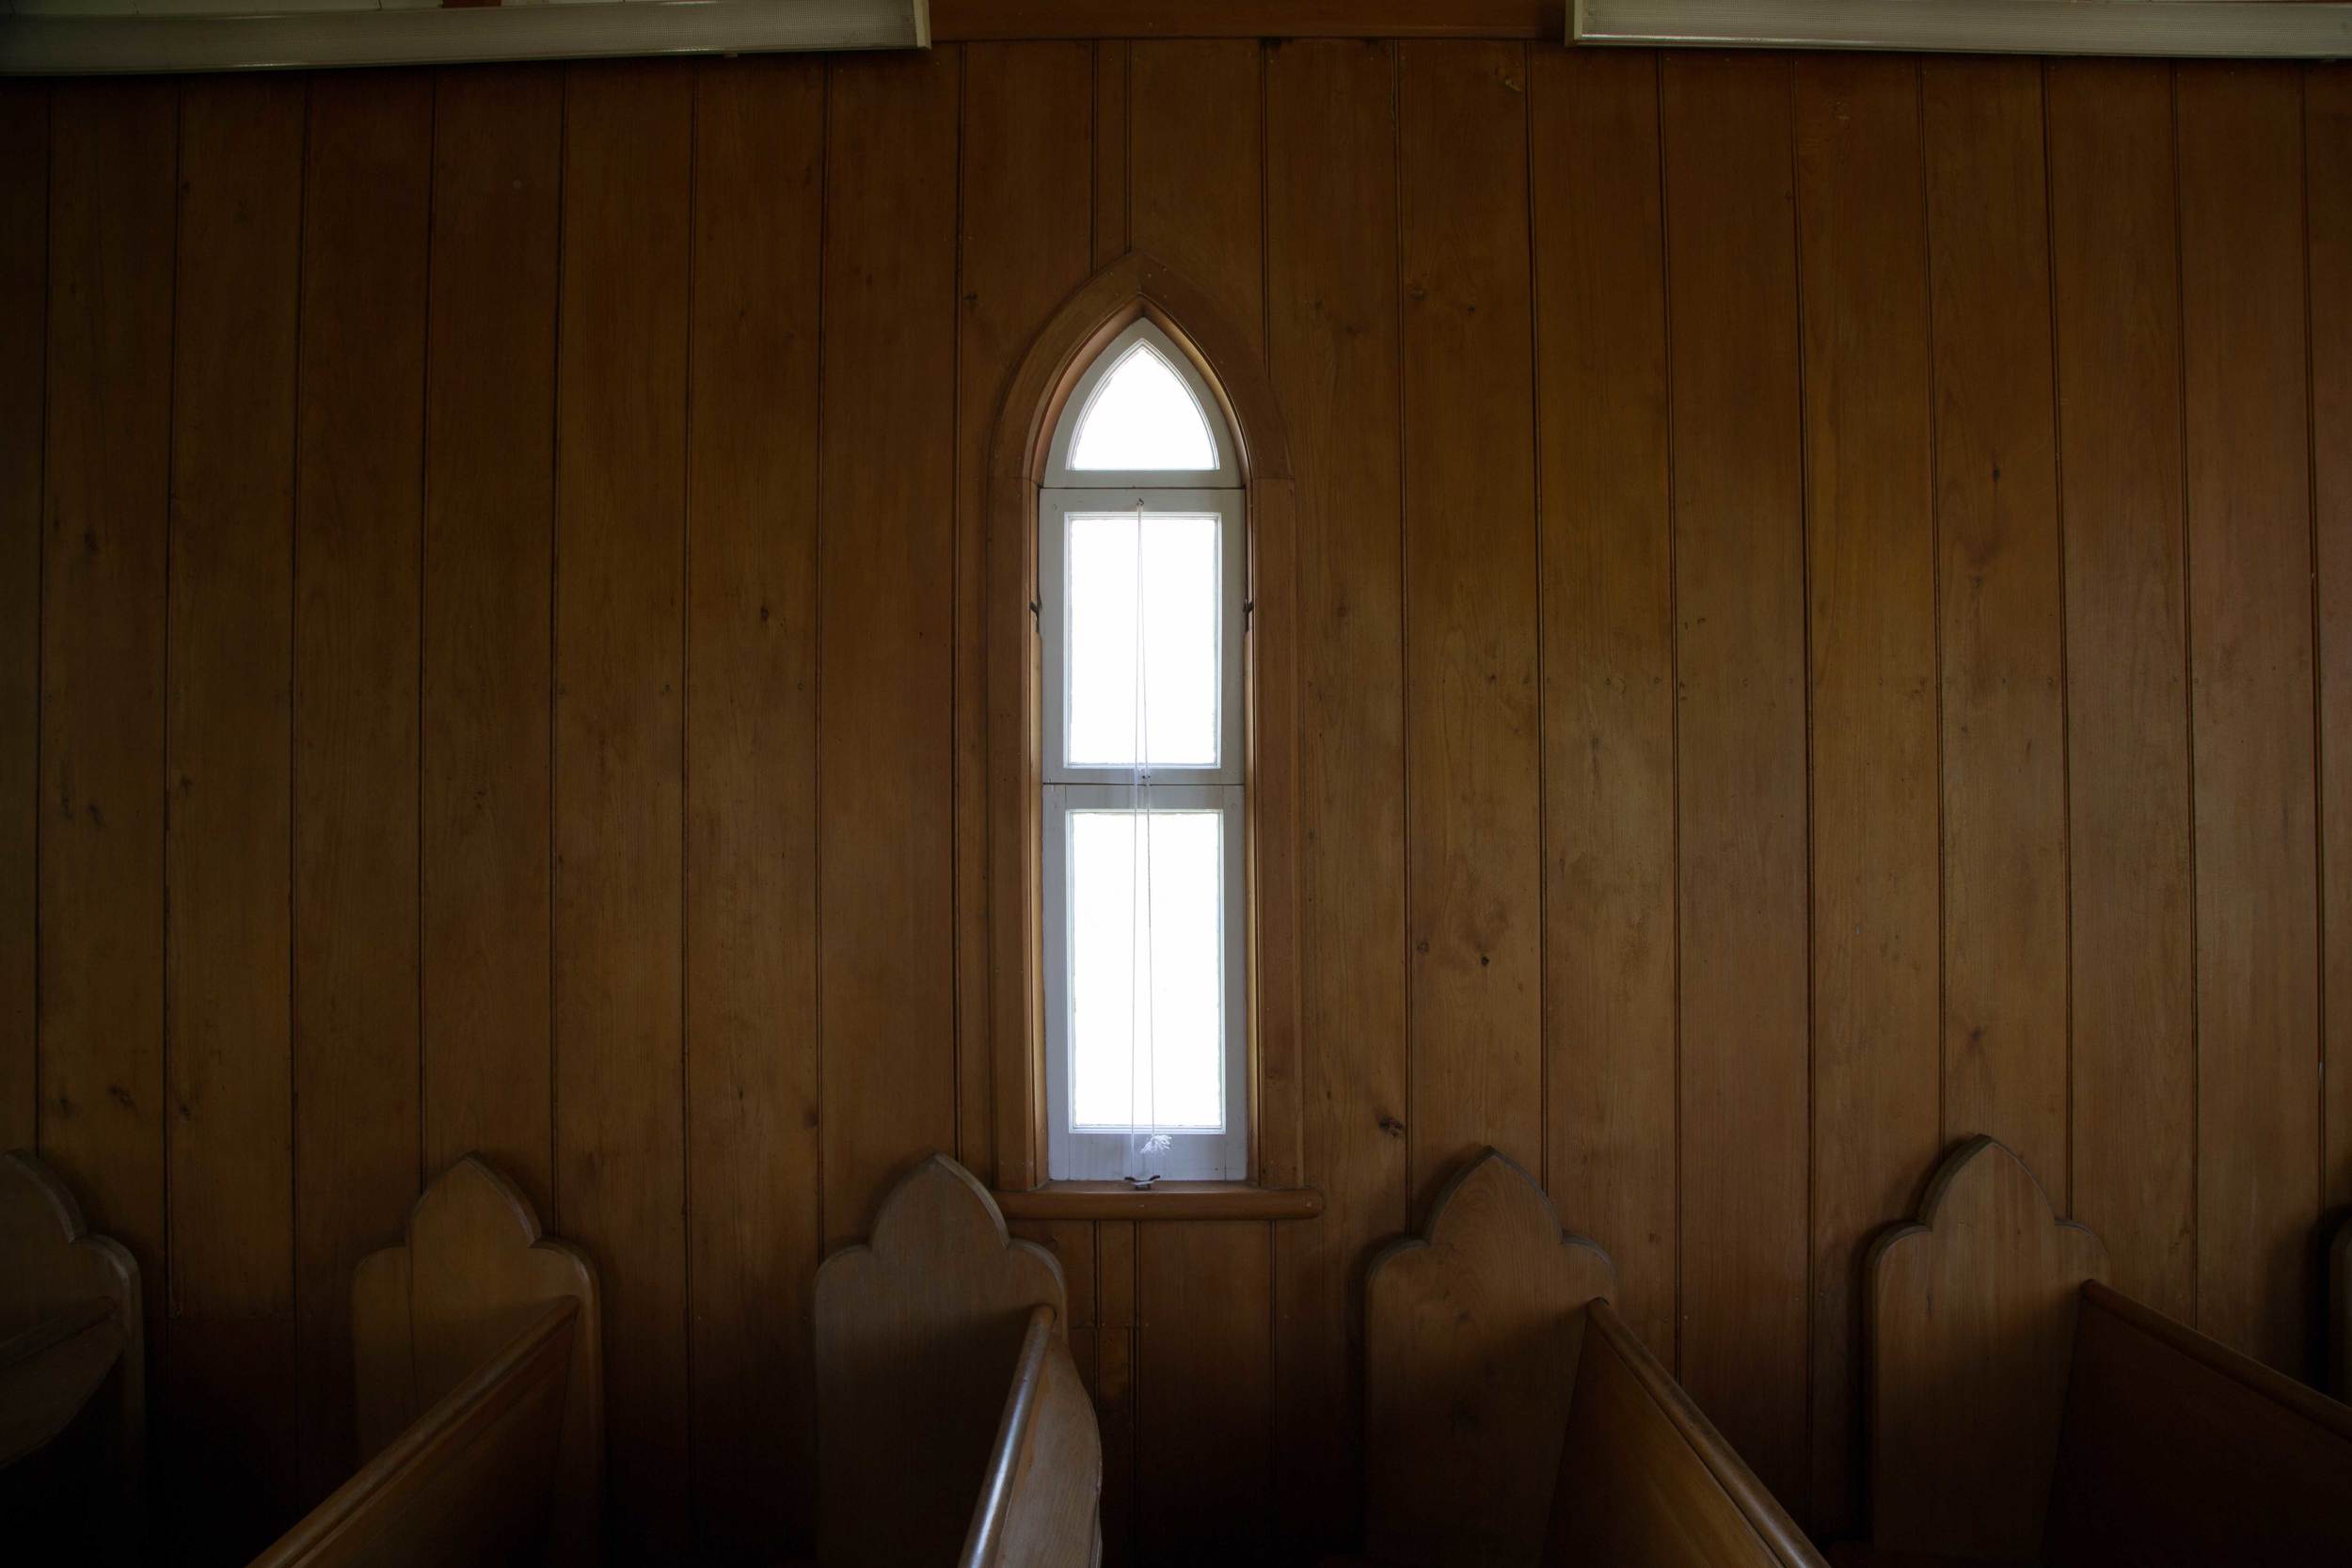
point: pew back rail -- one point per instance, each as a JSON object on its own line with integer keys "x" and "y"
{"x": 1041, "y": 1502}
{"x": 1645, "y": 1480}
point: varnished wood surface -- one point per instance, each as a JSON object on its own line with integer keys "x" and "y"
{"x": 1645, "y": 1480}
{"x": 1972, "y": 1327}
{"x": 2180, "y": 1450}
{"x": 2339, "y": 1311}
{"x": 1470, "y": 1364}
{"x": 1718, "y": 1148}
{"x": 918, "y": 1332}
{"x": 467, "y": 1483}
{"x": 1040, "y": 1497}
{"x": 473, "y": 1274}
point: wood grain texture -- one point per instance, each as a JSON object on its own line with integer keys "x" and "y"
{"x": 1473, "y": 710}
{"x": 953, "y": 20}
{"x": 1470, "y": 1339}
{"x": 467, "y": 1485}
{"x": 1332, "y": 349}
{"x": 2327, "y": 217}
{"x": 2178, "y": 1451}
{"x": 2115, "y": 280}
{"x": 1739, "y": 615}
{"x": 1026, "y": 177}
{"x": 24, "y": 344}
{"x": 886, "y": 791}
{"x": 1203, "y": 1349}
{"x": 104, "y": 526}
{"x": 489, "y": 560}
{"x": 1972, "y": 1323}
{"x": 1608, "y": 663}
{"x": 1112, "y": 226}
{"x": 229, "y": 824}
{"x": 359, "y": 514}
{"x": 1040, "y": 1502}
{"x": 2251, "y": 661}
{"x": 1871, "y": 547}
{"x": 918, "y": 1332}
{"x": 1997, "y": 532}
{"x": 753, "y": 1229}
{"x": 2340, "y": 1310}
{"x": 1116, "y": 1282}
{"x": 1645, "y": 1480}
{"x": 473, "y": 1273}
{"x": 620, "y": 634}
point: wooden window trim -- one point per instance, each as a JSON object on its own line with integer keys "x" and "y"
{"x": 1138, "y": 285}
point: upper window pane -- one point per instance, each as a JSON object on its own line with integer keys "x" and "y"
{"x": 1143, "y": 671}
{"x": 1142, "y": 416}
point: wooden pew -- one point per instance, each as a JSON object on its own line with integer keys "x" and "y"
{"x": 2022, "y": 1411}
{"x": 73, "y": 1367}
{"x": 954, "y": 1427}
{"x": 1512, "y": 1419}
{"x": 479, "y": 1376}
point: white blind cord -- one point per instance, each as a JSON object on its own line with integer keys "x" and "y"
{"x": 1144, "y": 1139}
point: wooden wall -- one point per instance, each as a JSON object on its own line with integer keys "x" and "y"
{"x": 1827, "y": 599}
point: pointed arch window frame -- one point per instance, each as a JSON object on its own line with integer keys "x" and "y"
{"x": 1225, "y": 364}
{"x": 1143, "y": 335}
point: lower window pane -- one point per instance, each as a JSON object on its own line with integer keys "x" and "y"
{"x": 1147, "y": 983}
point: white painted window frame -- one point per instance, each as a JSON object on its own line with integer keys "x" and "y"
{"x": 1080, "y": 1154}
{"x": 1072, "y": 1153}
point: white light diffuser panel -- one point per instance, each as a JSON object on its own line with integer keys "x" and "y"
{"x": 92, "y": 37}
{"x": 2232, "y": 29}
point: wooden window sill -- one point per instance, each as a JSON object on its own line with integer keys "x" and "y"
{"x": 1169, "y": 1201}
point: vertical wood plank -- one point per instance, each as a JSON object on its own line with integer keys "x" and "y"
{"x": 1472, "y": 711}
{"x": 2328, "y": 196}
{"x": 1997, "y": 512}
{"x": 1870, "y": 577}
{"x": 1111, "y": 229}
{"x": 105, "y": 462}
{"x": 1114, "y": 1386}
{"x": 1608, "y": 655}
{"x": 1200, "y": 1414}
{"x": 750, "y": 803}
{"x": 24, "y": 344}
{"x": 2239, "y": 136}
{"x": 620, "y": 1162}
{"x": 358, "y": 514}
{"x": 228, "y": 837}
{"x": 488, "y": 597}
{"x": 1027, "y": 206}
{"x": 1026, "y": 178}
{"x": 1740, "y": 734}
{"x": 886, "y": 576}
{"x": 2116, "y": 293}
{"x": 1203, "y": 1371}
{"x": 1333, "y": 353}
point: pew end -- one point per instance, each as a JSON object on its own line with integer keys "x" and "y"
{"x": 2339, "y": 1309}
{"x": 1471, "y": 1334}
{"x": 478, "y": 1375}
{"x": 72, "y": 1370}
{"x": 1969, "y": 1319}
{"x": 919, "y": 1332}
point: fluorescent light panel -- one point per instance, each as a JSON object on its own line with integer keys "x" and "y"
{"x": 2244, "y": 29}
{"x": 87, "y": 45}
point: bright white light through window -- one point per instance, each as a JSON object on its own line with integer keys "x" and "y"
{"x": 1145, "y": 974}
{"x": 1167, "y": 616}
{"x": 1143, "y": 417}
